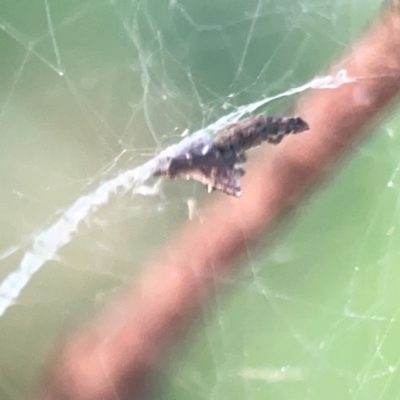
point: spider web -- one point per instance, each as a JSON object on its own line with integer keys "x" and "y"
{"x": 93, "y": 95}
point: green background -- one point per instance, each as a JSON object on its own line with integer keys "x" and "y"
{"x": 91, "y": 88}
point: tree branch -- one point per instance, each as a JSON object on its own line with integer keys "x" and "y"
{"x": 115, "y": 357}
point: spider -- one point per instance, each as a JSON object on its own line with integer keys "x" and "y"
{"x": 218, "y": 164}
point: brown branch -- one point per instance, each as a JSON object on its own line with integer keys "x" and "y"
{"x": 115, "y": 357}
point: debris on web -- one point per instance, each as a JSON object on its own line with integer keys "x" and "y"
{"x": 47, "y": 243}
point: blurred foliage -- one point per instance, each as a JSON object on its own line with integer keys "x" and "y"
{"x": 88, "y": 88}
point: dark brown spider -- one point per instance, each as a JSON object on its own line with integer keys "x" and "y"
{"x": 218, "y": 163}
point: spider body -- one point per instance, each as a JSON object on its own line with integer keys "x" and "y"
{"x": 218, "y": 164}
